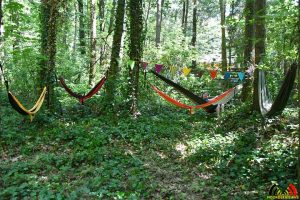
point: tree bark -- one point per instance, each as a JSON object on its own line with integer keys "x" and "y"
{"x": 183, "y": 15}
{"x": 75, "y": 31}
{"x": 1, "y": 33}
{"x": 93, "y": 41}
{"x": 260, "y": 46}
{"x": 82, "y": 41}
{"x": 135, "y": 47}
{"x": 194, "y": 37}
{"x": 49, "y": 15}
{"x": 112, "y": 15}
{"x": 231, "y": 31}
{"x": 113, "y": 71}
{"x": 224, "y": 54}
{"x": 186, "y": 17}
{"x": 159, "y": 5}
{"x": 101, "y": 6}
{"x": 298, "y": 170}
{"x": 249, "y": 38}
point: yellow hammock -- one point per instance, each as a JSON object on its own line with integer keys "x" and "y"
{"x": 16, "y": 104}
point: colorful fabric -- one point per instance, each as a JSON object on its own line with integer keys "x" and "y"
{"x": 218, "y": 100}
{"x": 158, "y": 68}
{"x": 83, "y": 98}
{"x": 227, "y": 75}
{"x": 190, "y": 95}
{"x": 186, "y": 71}
{"x": 241, "y": 75}
{"x": 16, "y": 104}
{"x": 213, "y": 74}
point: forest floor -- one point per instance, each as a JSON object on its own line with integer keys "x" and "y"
{"x": 164, "y": 154}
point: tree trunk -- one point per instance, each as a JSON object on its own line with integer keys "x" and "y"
{"x": 147, "y": 17}
{"x": 249, "y": 37}
{"x": 81, "y": 28}
{"x": 101, "y": 6}
{"x": 93, "y": 40}
{"x": 231, "y": 31}
{"x": 194, "y": 37}
{"x": 224, "y": 54}
{"x": 15, "y": 18}
{"x": 112, "y": 15}
{"x": 135, "y": 47}
{"x": 186, "y": 17}
{"x": 115, "y": 54}
{"x": 1, "y": 32}
{"x": 183, "y": 15}
{"x": 65, "y": 9}
{"x": 49, "y": 15}
{"x": 260, "y": 38}
{"x": 298, "y": 95}
{"x": 159, "y": 5}
{"x": 75, "y": 31}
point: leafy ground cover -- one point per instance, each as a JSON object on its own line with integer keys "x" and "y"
{"x": 163, "y": 154}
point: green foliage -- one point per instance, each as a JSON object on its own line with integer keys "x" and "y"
{"x": 89, "y": 152}
{"x": 165, "y": 153}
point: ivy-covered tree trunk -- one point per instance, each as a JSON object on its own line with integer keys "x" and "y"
{"x": 249, "y": 38}
{"x": 75, "y": 31}
{"x": 1, "y": 32}
{"x": 93, "y": 41}
{"x": 1, "y": 56}
{"x": 298, "y": 170}
{"x": 135, "y": 47}
{"x": 194, "y": 37}
{"x": 82, "y": 41}
{"x": 112, "y": 17}
{"x": 113, "y": 71}
{"x": 224, "y": 54}
{"x": 49, "y": 15}
{"x": 101, "y": 5}
{"x": 260, "y": 46}
{"x": 159, "y": 5}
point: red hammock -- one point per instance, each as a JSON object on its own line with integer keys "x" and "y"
{"x": 221, "y": 99}
{"x": 82, "y": 98}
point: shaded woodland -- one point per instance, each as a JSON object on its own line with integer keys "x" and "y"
{"x": 154, "y": 99}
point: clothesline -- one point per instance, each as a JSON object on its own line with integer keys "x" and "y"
{"x": 186, "y": 70}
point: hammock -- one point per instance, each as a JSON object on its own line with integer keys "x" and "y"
{"x": 83, "y": 98}
{"x": 15, "y": 103}
{"x": 267, "y": 106}
{"x": 187, "y": 93}
{"x": 221, "y": 99}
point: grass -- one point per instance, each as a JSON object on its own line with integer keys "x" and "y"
{"x": 164, "y": 154}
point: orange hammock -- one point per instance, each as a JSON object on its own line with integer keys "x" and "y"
{"x": 221, "y": 99}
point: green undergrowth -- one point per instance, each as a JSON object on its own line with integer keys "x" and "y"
{"x": 163, "y": 154}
